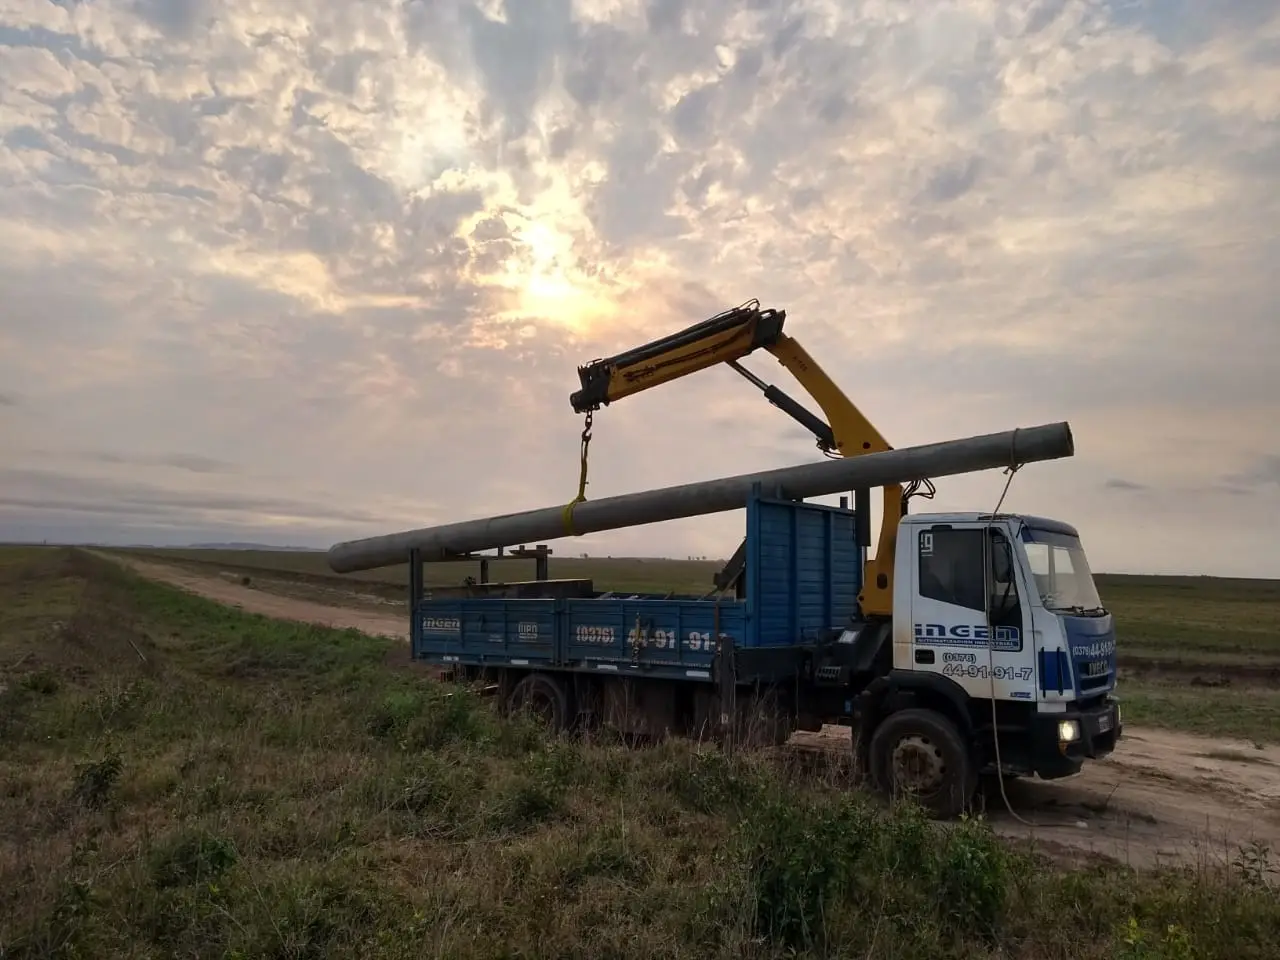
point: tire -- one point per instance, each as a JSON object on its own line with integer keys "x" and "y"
{"x": 946, "y": 777}
{"x": 543, "y": 696}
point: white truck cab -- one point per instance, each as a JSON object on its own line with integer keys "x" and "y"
{"x": 997, "y": 626}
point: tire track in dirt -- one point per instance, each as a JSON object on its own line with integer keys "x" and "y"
{"x": 1162, "y": 797}
{"x": 235, "y": 594}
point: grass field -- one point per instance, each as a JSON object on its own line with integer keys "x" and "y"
{"x": 1198, "y": 653}
{"x": 183, "y": 779}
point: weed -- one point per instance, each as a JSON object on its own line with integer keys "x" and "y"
{"x": 44, "y": 682}
{"x": 72, "y": 913}
{"x": 973, "y": 879}
{"x": 1254, "y": 865}
{"x": 95, "y": 779}
{"x": 606, "y": 852}
{"x": 799, "y": 861}
{"x": 560, "y": 764}
{"x": 711, "y": 781}
{"x": 192, "y": 857}
{"x": 1136, "y": 942}
{"x": 430, "y": 718}
{"x": 523, "y": 802}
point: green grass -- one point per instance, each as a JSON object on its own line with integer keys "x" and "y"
{"x": 181, "y": 779}
{"x": 1205, "y": 619}
{"x": 1249, "y": 714}
{"x": 1202, "y": 653}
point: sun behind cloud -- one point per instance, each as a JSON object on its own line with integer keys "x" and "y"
{"x": 545, "y": 264}
{"x": 551, "y": 286}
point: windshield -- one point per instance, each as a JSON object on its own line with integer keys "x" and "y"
{"x": 1061, "y": 572}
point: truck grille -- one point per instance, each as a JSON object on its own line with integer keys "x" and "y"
{"x": 1093, "y": 674}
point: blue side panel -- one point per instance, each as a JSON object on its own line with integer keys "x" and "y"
{"x": 804, "y": 570}
{"x": 650, "y": 635}
{"x": 1093, "y": 653}
{"x": 480, "y": 631}
{"x": 1055, "y": 671}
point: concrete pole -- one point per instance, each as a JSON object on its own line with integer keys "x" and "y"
{"x": 1024, "y": 445}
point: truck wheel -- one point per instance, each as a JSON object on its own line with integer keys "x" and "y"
{"x": 919, "y": 753}
{"x": 542, "y": 696}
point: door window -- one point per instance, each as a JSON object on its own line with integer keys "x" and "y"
{"x": 950, "y": 570}
{"x": 951, "y": 567}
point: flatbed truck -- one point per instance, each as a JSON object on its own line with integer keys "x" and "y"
{"x": 999, "y": 656}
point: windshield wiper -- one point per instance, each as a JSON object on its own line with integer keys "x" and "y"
{"x": 1080, "y": 610}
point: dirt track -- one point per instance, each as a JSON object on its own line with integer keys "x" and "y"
{"x": 229, "y": 591}
{"x": 1162, "y": 797}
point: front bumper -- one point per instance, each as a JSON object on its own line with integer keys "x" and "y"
{"x": 1099, "y": 726}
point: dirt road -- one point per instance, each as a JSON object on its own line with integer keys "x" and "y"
{"x": 230, "y": 591}
{"x": 1162, "y": 797}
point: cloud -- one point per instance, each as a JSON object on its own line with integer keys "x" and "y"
{"x": 178, "y": 461}
{"x": 1261, "y": 473}
{"x": 360, "y": 249}
{"x": 37, "y": 490}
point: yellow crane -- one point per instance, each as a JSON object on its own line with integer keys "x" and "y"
{"x": 727, "y": 338}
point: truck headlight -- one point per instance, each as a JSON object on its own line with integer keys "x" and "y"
{"x": 1068, "y": 731}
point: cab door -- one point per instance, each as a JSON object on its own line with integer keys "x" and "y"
{"x": 962, "y": 571}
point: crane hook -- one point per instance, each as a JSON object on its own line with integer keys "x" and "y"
{"x": 582, "y": 475}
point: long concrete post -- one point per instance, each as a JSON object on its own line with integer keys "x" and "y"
{"x": 1024, "y": 445}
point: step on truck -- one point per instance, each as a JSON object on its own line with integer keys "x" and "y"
{"x": 998, "y": 654}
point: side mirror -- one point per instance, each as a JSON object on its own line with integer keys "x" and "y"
{"x": 1002, "y": 561}
{"x": 1003, "y": 599}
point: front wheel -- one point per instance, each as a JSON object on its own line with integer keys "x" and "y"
{"x": 920, "y": 754}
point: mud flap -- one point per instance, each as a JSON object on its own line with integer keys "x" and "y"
{"x": 725, "y": 673}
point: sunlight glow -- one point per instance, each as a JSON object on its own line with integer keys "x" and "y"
{"x": 544, "y": 273}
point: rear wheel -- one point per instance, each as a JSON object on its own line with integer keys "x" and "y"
{"x": 542, "y": 697}
{"x": 920, "y": 754}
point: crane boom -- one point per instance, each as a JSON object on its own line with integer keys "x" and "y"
{"x": 727, "y": 338}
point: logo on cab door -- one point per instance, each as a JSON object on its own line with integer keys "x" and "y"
{"x": 1008, "y": 639}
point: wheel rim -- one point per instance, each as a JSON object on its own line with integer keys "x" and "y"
{"x": 538, "y": 705}
{"x": 918, "y": 765}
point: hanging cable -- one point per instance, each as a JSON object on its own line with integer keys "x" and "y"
{"x": 912, "y": 489}
{"x": 1010, "y": 470}
{"x": 582, "y": 476}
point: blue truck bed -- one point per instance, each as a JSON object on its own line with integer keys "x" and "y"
{"x": 803, "y": 572}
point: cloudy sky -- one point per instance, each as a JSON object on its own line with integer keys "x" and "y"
{"x": 298, "y": 271}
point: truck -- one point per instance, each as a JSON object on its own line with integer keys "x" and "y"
{"x": 972, "y": 643}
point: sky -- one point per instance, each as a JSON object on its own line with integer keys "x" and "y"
{"x": 300, "y": 271}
